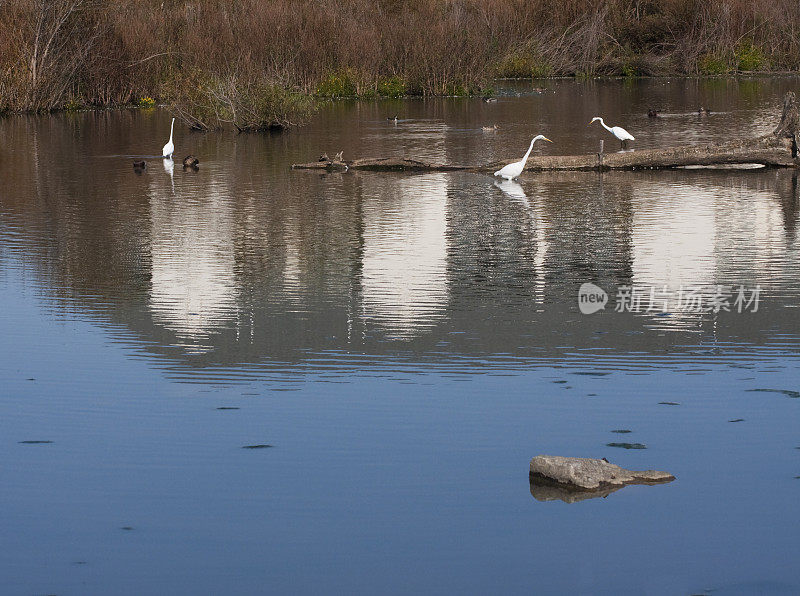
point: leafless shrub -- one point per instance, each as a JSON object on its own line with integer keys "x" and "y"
{"x": 248, "y": 103}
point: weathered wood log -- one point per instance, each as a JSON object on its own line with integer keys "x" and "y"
{"x": 779, "y": 149}
{"x": 768, "y": 151}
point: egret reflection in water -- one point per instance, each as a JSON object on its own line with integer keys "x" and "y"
{"x": 513, "y": 190}
{"x": 169, "y": 168}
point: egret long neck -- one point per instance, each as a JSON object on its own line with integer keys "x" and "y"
{"x": 608, "y": 128}
{"x": 524, "y": 159}
{"x": 171, "y": 127}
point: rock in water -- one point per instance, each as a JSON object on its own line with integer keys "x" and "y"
{"x": 580, "y": 473}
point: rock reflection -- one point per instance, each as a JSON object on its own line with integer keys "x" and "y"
{"x": 542, "y": 491}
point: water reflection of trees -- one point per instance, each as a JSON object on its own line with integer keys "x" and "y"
{"x": 225, "y": 270}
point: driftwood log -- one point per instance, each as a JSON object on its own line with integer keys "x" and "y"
{"x": 778, "y": 149}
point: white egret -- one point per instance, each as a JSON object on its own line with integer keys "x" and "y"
{"x": 513, "y": 170}
{"x": 623, "y": 135}
{"x": 169, "y": 148}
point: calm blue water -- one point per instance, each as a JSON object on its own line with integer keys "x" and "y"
{"x": 405, "y": 344}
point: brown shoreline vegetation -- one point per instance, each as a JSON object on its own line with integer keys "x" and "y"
{"x": 260, "y": 64}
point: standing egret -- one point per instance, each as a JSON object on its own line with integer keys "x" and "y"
{"x": 513, "y": 170}
{"x": 169, "y": 148}
{"x": 623, "y": 135}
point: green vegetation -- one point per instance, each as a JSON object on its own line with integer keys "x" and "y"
{"x": 73, "y": 105}
{"x": 711, "y": 64}
{"x": 340, "y": 84}
{"x": 750, "y": 57}
{"x": 391, "y": 87}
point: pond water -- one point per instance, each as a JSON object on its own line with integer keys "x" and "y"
{"x": 404, "y": 344}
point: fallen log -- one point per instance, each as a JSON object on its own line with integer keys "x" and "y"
{"x": 766, "y": 151}
{"x": 778, "y": 149}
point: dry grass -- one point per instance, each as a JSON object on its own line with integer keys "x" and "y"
{"x": 56, "y": 53}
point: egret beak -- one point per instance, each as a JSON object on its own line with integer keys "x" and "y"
{"x": 546, "y": 139}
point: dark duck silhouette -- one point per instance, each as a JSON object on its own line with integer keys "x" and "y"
{"x": 190, "y": 161}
